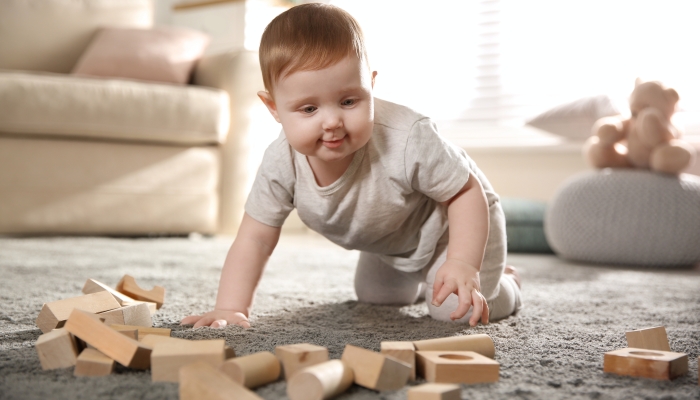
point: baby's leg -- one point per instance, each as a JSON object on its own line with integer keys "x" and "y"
{"x": 379, "y": 283}
{"x": 501, "y": 290}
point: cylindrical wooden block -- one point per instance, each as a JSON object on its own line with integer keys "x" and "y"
{"x": 482, "y": 344}
{"x": 320, "y": 381}
{"x": 254, "y": 370}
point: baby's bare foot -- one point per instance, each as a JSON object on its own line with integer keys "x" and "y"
{"x": 510, "y": 270}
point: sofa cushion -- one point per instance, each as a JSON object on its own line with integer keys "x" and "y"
{"x": 50, "y": 35}
{"x": 63, "y": 105}
{"x": 161, "y": 54}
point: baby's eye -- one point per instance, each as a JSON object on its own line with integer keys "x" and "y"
{"x": 348, "y": 102}
{"x": 308, "y": 109}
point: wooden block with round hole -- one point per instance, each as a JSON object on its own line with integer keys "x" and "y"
{"x": 92, "y": 362}
{"x": 253, "y": 370}
{"x": 456, "y": 367}
{"x": 374, "y": 370}
{"x": 404, "y": 351}
{"x": 649, "y": 338}
{"x": 435, "y": 391}
{"x": 200, "y": 380}
{"x": 654, "y": 364}
{"x": 170, "y": 355}
{"x": 295, "y": 357}
{"x": 54, "y": 315}
{"x": 128, "y": 286}
{"x": 479, "y": 343}
{"x": 57, "y": 349}
{"x": 321, "y": 381}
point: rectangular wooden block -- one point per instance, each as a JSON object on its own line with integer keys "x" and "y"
{"x": 57, "y": 349}
{"x": 456, "y": 367}
{"x": 142, "y": 330}
{"x": 648, "y": 338}
{"x": 125, "y": 351}
{"x": 169, "y": 356}
{"x": 53, "y": 315}
{"x": 435, "y": 391}
{"x": 375, "y": 370}
{"x": 404, "y": 351}
{"x": 127, "y": 285}
{"x": 94, "y": 286}
{"x": 200, "y": 380}
{"x": 152, "y": 341}
{"x": 134, "y": 314}
{"x": 295, "y": 357}
{"x": 92, "y": 362}
{"x": 656, "y": 364}
{"x": 479, "y": 343}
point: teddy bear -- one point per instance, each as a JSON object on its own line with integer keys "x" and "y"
{"x": 647, "y": 139}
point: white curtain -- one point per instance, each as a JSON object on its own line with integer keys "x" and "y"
{"x": 491, "y": 62}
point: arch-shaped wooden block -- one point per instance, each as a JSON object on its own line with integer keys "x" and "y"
{"x": 127, "y": 285}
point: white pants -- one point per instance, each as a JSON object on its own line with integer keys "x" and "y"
{"x": 379, "y": 283}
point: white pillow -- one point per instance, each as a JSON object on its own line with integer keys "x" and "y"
{"x": 575, "y": 120}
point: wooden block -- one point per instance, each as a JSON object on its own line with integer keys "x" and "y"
{"x": 127, "y": 285}
{"x": 169, "y": 356}
{"x": 92, "y": 362}
{"x": 253, "y": 370}
{"x": 456, "y": 367}
{"x": 53, "y": 315}
{"x": 294, "y": 357}
{"x": 482, "y": 344}
{"x": 131, "y": 333}
{"x": 200, "y": 380}
{"x": 435, "y": 391}
{"x": 134, "y": 314}
{"x": 320, "y": 381}
{"x": 648, "y": 338}
{"x": 125, "y": 351}
{"x": 664, "y": 365}
{"x": 57, "y": 349}
{"x": 143, "y": 330}
{"x": 375, "y": 370}
{"x": 152, "y": 307}
{"x": 404, "y": 351}
{"x": 153, "y": 340}
{"x": 93, "y": 286}
{"x": 229, "y": 352}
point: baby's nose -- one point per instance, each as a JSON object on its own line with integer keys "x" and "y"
{"x": 332, "y": 120}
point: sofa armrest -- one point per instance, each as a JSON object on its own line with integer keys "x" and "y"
{"x": 238, "y": 73}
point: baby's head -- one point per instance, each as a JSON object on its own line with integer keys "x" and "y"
{"x": 308, "y": 37}
{"x": 317, "y": 80}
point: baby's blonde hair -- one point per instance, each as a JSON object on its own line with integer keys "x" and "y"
{"x": 308, "y": 37}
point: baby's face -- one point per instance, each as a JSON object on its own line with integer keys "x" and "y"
{"x": 328, "y": 113}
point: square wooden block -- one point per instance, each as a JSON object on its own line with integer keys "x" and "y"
{"x": 171, "y": 354}
{"x": 456, "y": 367}
{"x": 654, "y": 364}
{"x": 435, "y": 391}
{"x": 295, "y": 357}
{"x": 92, "y": 362}
{"x": 404, "y": 351}
{"x": 57, "y": 349}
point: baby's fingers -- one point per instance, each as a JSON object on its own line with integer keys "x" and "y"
{"x": 191, "y": 319}
{"x": 465, "y": 302}
{"x": 442, "y": 290}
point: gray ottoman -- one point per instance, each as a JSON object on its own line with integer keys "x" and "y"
{"x": 632, "y": 217}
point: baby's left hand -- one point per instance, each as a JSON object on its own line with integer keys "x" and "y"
{"x": 456, "y": 276}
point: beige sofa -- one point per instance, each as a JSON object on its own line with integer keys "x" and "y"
{"x": 115, "y": 156}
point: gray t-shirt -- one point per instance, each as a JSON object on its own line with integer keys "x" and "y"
{"x": 385, "y": 203}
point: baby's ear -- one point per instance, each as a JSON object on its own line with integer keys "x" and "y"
{"x": 269, "y": 103}
{"x": 672, "y": 95}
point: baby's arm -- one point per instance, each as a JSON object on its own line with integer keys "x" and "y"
{"x": 240, "y": 275}
{"x": 468, "y": 216}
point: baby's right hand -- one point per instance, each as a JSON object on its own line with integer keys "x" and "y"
{"x": 217, "y": 319}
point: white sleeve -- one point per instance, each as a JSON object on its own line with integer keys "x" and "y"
{"x": 271, "y": 198}
{"x": 434, "y": 167}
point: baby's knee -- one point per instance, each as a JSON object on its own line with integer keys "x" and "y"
{"x": 388, "y": 295}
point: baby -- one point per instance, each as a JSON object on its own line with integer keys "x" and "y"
{"x": 368, "y": 175}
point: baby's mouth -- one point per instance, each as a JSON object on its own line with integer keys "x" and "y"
{"x": 332, "y": 144}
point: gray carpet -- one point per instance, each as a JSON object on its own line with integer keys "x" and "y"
{"x": 552, "y": 349}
